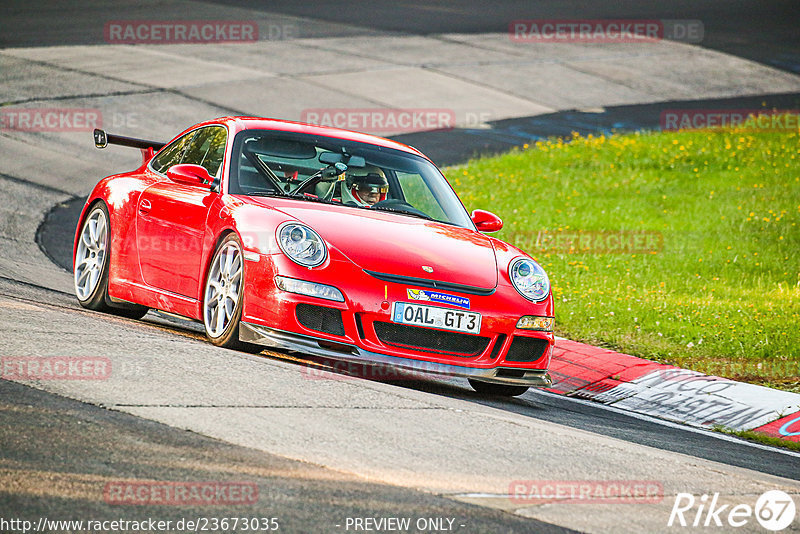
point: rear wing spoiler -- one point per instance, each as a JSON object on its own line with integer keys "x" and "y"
{"x": 148, "y": 148}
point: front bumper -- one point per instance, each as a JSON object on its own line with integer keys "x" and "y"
{"x": 270, "y": 337}
{"x": 361, "y": 330}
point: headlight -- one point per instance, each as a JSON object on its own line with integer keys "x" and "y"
{"x": 302, "y": 244}
{"x": 529, "y": 279}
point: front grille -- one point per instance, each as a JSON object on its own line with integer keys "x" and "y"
{"x": 526, "y": 349}
{"x": 320, "y": 318}
{"x": 427, "y": 340}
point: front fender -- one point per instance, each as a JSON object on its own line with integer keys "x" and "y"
{"x": 505, "y": 253}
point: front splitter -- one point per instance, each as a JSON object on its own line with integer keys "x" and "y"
{"x": 279, "y": 339}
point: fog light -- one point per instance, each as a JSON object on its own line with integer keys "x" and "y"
{"x": 312, "y": 289}
{"x": 534, "y": 322}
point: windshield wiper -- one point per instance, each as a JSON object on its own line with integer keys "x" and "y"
{"x": 415, "y": 213}
{"x": 266, "y": 194}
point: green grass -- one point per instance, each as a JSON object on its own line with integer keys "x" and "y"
{"x": 720, "y": 294}
{"x": 758, "y": 437}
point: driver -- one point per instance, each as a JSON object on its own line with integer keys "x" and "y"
{"x": 366, "y": 185}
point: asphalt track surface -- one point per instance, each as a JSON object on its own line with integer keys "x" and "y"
{"x": 115, "y": 447}
{"x": 764, "y": 31}
{"x": 61, "y": 435}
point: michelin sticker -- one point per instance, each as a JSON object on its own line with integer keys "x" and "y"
{"x": 435, "y": 296}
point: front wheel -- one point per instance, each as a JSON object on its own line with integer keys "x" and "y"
{"x": 500, "y": 390}
{"x": 224, "y": 295}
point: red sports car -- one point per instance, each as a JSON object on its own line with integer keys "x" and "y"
{"x": 323, "y": 241}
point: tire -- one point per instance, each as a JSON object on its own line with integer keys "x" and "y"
{"x": 92, "y": 260}
{"x": 131, "y": 311}
{"x": 500, "y": 390}
{"x": 223, "y": 293}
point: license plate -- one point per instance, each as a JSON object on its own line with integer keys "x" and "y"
{"x": 435, "y": 317}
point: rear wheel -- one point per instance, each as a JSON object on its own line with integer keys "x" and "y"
{"x": 92, "y": 265}
{"x": 501, "y": 390}
{"x": 223, "y": 296}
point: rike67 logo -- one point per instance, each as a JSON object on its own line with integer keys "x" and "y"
{"x": 774, "y": 510}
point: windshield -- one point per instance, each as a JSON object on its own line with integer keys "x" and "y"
{"x": 337, "y": 171}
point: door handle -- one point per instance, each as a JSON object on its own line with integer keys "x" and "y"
{"x": 144, "y": 207}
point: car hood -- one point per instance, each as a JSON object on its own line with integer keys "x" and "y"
{"x": 400, "y": 245}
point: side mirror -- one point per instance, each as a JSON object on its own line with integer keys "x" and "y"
{"x": 100, "y": 138}
{"x": 190, "y": 174}
{"x": 486, "y": 221}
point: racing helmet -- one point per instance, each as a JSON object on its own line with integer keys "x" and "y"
{"x": 366, "y": 185}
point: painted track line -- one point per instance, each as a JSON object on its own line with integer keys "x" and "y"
{"x": 664, "y": 422}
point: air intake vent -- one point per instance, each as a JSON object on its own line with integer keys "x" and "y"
{"x": 320, "y": 318}
{"x": 526, "y": 349}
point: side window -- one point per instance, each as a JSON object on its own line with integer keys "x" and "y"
{"x": 172, "y": 154}
{"x": 419, "y": 195}
{"x": 207, "y": 148}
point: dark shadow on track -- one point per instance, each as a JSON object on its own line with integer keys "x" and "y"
{"x": 456, "y": 146}
{"x": 57, "y": 230}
